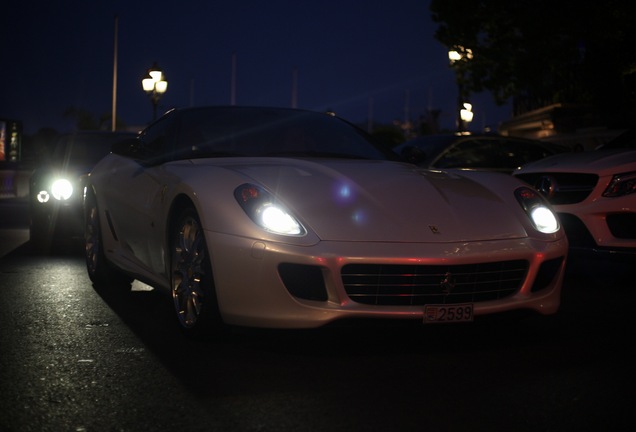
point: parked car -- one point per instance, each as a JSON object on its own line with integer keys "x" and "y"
{"x": 625, "y": 140}
{"x": 594, "y": 193}
{"x": 284, "y": 218}
{"x": 475, "y": 151}
{"x": 56, "y": 186}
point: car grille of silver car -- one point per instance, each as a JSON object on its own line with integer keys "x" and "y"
{"x": 562, "y": 188}
{"x": 407, "y": 285}
{"x": 433, "y": 284}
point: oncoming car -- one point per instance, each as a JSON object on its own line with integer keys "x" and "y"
{"x": 56, "y": 187}
{"x": 285, "y": 218}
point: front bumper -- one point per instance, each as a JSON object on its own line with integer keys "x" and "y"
{"x": 252, "y": 292}
{"x": 603, "y": 224}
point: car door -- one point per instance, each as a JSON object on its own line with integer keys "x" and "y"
{"x": 135, "y": 197}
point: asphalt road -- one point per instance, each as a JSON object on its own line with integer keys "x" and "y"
{"x": 76, "y": 359}
{"x": 14, "y": 223}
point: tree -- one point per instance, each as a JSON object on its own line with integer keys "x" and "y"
{"x": 542, "y": 52}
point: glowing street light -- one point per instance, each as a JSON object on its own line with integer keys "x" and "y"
{"x": 466, "y": 113}
{"x": 155, "y": 85}
{"x": 457, "y": 55}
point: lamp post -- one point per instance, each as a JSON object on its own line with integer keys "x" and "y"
{"x": 457, "y": 56}
{"x": 155, "y": 85}
{"x": 466, "y": 113}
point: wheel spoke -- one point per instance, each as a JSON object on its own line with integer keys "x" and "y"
{"x": 91, "y": 238}
{"x": 188, "y": 256}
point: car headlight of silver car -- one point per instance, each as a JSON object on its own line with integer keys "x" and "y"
{"x": 538, "y": 210}
{"x": 263, "y": 209}
{"x": 621, "y": 184}
{"x": 62, "y": 189}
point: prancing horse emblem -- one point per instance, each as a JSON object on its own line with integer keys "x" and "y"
{"x": 448, "y": 283}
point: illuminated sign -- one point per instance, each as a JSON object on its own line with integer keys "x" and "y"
{"x": 10, "y": 140}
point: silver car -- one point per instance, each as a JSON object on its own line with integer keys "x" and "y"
{"x": 283, "y": 218}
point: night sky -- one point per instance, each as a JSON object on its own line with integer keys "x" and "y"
{"x": 365, "y": 60}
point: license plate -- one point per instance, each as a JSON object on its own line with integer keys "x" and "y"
{"x": 448, "y": 313}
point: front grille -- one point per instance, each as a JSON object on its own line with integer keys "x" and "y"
{"x": 567, "y": 188}
{"x": 404, "y": 285}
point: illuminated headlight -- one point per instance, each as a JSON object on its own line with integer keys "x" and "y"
{"x": 266, "y": 212}
{"x": 278, "y": 220}
{"x": 544, "y": 219}
{"x": 62, "y": 189}
{"x": 621, "y": 184}
{"x": 43, "y": 196}
{"x": 538, "y": 210}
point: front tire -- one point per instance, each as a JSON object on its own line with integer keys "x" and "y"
{"x": 100, "y": 271}
{"x": 193, "y": 290}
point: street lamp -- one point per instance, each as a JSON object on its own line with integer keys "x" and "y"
{"x": 457, "y": 56}
{"x": 155, "y": 85}
{"x": 466, "y": 113}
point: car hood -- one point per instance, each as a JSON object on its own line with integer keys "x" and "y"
{"x": 594, "y": 161}
{"x": 387, "y": 201}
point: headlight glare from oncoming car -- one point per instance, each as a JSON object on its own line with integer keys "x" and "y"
{"x": 43, "y": 196}
{"x": 539, "y": 212}
{"x": 62, "y": 189}
{"x": 621, "y": 184}
{"x": 263, "y": 209}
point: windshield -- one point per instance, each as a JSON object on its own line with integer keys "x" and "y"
{"x": 431, "y": 145}
{"x": 272, "y": 132}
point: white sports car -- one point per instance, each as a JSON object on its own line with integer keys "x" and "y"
{"x": 282, "y": 218}
{"x": 594, "y": 194}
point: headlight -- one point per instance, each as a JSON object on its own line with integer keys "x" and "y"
{"x": 538, "y": 210}
{"x": 261, "y": 207}
{"x": 43, "y": 196}
{"x": 62, "y": 189}
{"x": 621, "y": 184}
